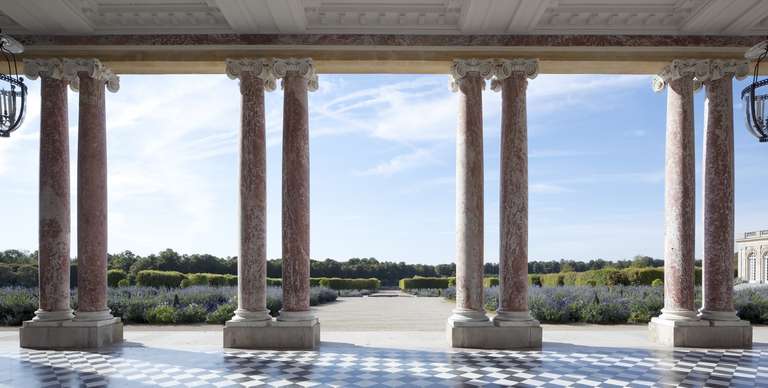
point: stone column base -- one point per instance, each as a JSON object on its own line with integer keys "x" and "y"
{"x": 520, "y": 335}
{"x": 71, "y": 334}
{"x": 275, "y": 335}
{"x": 701, "y": 333}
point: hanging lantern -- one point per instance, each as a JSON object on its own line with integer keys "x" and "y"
{"x": 13, "y": 91}
{"x": 755, "y": 95}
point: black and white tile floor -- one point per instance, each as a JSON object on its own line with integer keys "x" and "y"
{"x": 350, "y": 366}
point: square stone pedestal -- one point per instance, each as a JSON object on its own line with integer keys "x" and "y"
{"x": 276, "y": 335}
{"x": 71, "y": 334}
{"x": 520, "y": 335}
{"x": 701, "y": 333}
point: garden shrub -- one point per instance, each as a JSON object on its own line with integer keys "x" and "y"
{"x": 657, "y": 283}
{"x": 604, "y": 313}
{"x": 152, "y": 278}
{"x": 17, "y": 305}
{"x": 418, "y": 282}
{"x": 222, "y": 313}
{"x": 490, "y": 282}
{"x": 534, "y": 280}
{"x": 124, "y": 283}
{"x": 644, "y": 276}
{"x": 161, "y": 314}
{"x": 350, "y": 284}
{"x": 551, "y": 280}
{"x": 275, "y": 282}
{"x": 315, "y": 282}
{"x": 114, "y": 276}
{"x": 185, "y": 283}
{"x": 193, "y": 313}
{"x": 18, "y": 275}
{"x": 452, "y": 282}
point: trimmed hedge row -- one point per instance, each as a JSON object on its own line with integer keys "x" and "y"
{"x": 349, "y": 284}
{"x": 173, "y": 279}
{"x": 418, "y": 282}
{"x": 114, "y": 276}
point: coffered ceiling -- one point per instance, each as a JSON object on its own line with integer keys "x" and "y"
{"x": 614, "y": 17}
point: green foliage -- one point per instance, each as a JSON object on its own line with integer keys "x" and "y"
{"x": 657, "y": 282}
{"x": 552, "y": 280}
{"x": 534, "y": 280}
{"x": 279, "y": 282}
{"x": 211, "y": 279}
{"x": 350, "y": 284}
{"x": 18, "y": 275}
{"x": 162, "y": 314}
{"x": 114, "y": 276}
{"x": 423, "y": 282}
{"x": 644, "y": 276}
{"x": 17, "y": 305}
{"x": 490, "y": 282}
{"x": 151, "y": 278}
{"x": 222, "y": 314}
{"x": 185, "y": 283}
{"x": 193, "y": 313}
{"x": 124, "y": 283}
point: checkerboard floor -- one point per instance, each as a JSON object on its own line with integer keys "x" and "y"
{"x": 377, "y": 367}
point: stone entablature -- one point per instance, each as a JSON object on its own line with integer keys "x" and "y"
{"x": 753, "y": 257}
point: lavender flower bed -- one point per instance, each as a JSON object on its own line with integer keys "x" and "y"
{"x": 156, "y": 305}
{"x": 617, "y": 304}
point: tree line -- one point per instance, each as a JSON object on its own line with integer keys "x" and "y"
{"x": 389, "y": 272}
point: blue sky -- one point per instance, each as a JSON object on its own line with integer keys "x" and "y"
{"x": 382, "y": 167}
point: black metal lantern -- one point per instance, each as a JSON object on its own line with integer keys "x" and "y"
{"x": 754, "y": 97}
{"x": 13, "y": 91}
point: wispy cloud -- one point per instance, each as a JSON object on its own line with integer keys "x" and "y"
{"x": 401, "y": 162}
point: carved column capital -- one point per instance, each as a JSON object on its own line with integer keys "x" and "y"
{"x": 95, "y": 69}
{"x": 461, "y": 68}
{"x": 259, "y": 67}
{"x": 701, "y": 70}
{"x": 504, "y": 68}
{"x": 35, "y": 68}
{"x": 304, "y": 67}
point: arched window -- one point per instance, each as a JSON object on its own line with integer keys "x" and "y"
{"x": 752, "y": 260}
{"x": 765, "y": 266}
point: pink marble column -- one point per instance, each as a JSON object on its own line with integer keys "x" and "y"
{"x": 469, "y": 81}
{"x": 252, "y": 261}
{"x": 512, "y": 78}
{"x": 679, "y": 202}
{"x": 298, "y": 77}
{"x": 90, "y": 80}
{"x": 717, "y": 291}
{"x": 54, "y": 225}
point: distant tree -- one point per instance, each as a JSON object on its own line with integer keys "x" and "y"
{"x": 641, "y": 261}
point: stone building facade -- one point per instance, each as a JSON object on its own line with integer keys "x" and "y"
{"x": 752, "y": 260}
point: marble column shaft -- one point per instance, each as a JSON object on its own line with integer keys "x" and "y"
{"x": 54, "y": 232}
{"x": 252, "y": 261}
{"x": 469, "y": 199}
{"x": 513, "y": 200}
{"x": 295, "y": 194}
{"x": 92, "y": 200}
{"x": 717, "y": 291}
{"x": 680, "y": 202}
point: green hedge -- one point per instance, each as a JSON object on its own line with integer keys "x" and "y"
{"x": 605, "y": 277}
{"x": 114, "y": 276}
{"x": 418, "y": 282}
{"x": 210, "y": 279}
{"x": 278, "y": 282}
{"x": 490, "y": 282}
{"x": 19, "y": 275}
{"x": 350, "y": 284}
{"x": 152, "y": 278}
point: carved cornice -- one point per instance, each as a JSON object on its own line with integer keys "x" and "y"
{"x": 302, "y": 66}
{"x": 461, "y": 68}
{"x": 701, "y": 70}
{"x": 51, "y": 68}
{"x": 504, "y": 68}
{"x": 94, "y": 68}
{"x": 260, "y": 67}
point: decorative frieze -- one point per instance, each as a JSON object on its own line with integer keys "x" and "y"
{"x": 302, "y": 66}
{"x": 701, "y": 70}
{"x": 463, "y": 67}
{"x": 259, "y": 67}
{"x": 35, "y": 68}
{"x": 504, "y": 68}
{"x": 94, "y": 68}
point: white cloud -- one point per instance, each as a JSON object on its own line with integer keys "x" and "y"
{"x": 546, "y": 188}
{"x": 401, "y": 162}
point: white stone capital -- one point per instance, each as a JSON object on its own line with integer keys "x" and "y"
{"x": 304, "y": 67}
{"x": 52, "y": 68}
{"x": 94, "y": 68}
{"x": 701, "y": 70}
{"x": 461, "y": 68}
{"x": 260, "y": 67}
{"x": 504, "y": 68}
